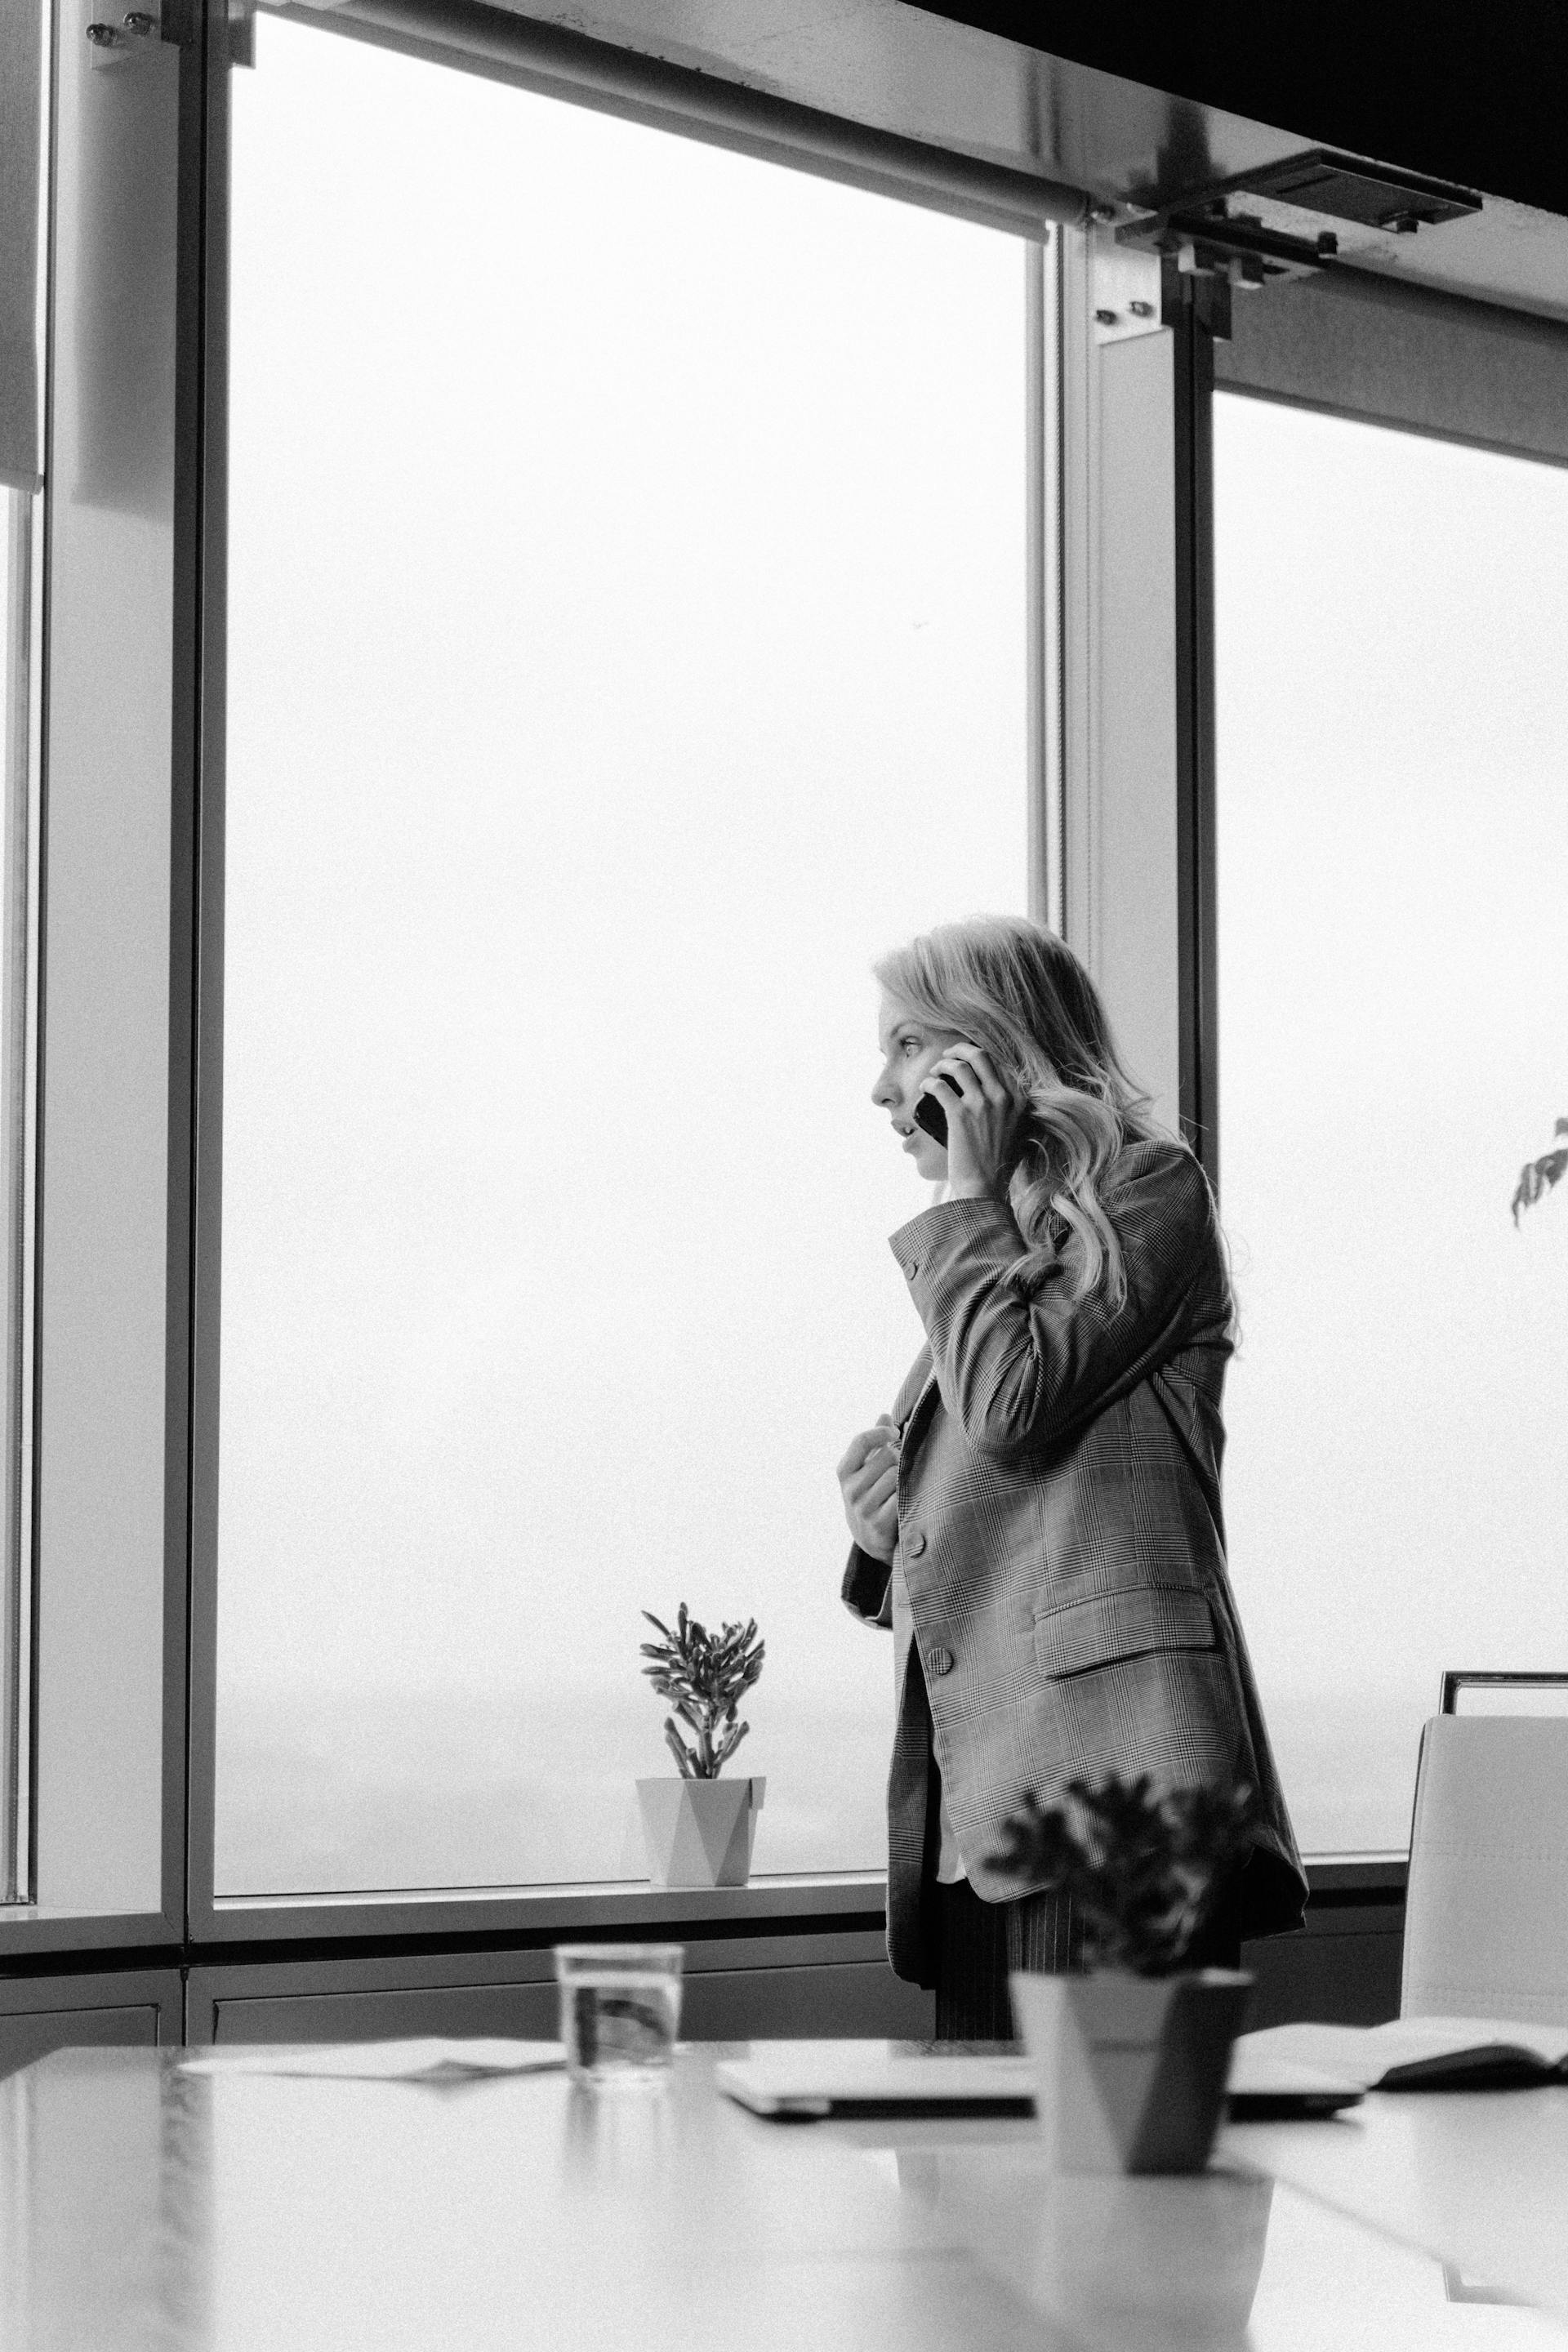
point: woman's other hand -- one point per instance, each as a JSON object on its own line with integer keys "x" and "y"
{"x": 869, "y": 1478}
{"x": 985, "y": 1123}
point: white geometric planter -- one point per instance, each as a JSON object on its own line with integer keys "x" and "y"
{"x": 1130, "y": 2071}
{"x": 700, "y": 1833}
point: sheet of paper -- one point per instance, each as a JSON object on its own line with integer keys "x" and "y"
{"x": 428, "y": 2060}
{"x": 1364, "y": 2054}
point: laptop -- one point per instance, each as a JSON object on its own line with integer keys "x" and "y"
{"x": 811, "y": 2080}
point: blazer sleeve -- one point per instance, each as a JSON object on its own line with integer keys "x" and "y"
{"x": 868, "y": 1589}
{"x": 1026, "y": 1372}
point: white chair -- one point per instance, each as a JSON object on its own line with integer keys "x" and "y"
{"x": 1486, "y": 1914}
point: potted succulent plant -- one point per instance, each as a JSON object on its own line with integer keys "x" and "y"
{"x": 1131, "y": 2055}
{"x": 699, "y": 1830}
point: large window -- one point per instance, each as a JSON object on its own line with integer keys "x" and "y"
{"x": 627, "y": 643}
{"x": 1392, "y": 857}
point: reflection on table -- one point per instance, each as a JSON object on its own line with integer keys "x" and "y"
{"x": 143, "y": 2205}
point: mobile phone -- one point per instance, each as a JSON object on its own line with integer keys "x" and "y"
{"x": 929, "y": 1114}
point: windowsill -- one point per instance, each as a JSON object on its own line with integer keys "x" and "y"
{"x": 1364, "y": 1875}
{"x": 780, "y": 1895}
{"x": 535, "y": 1914}
{"x": 530, "y": 1912}
{"x": 32, "y": 1929}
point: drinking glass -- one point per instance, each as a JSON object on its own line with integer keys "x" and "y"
{"x": 620, "y": 2006}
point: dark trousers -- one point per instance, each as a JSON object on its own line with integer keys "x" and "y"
{"x": 973, "y": 1945}
{"x": 976, "y": 1946}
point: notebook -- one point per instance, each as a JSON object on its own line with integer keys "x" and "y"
{"x": 1420, "y": 2054}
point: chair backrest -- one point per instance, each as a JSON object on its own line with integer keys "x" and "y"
{"x": 1465, "y": 1693}
{"x": 1485, "y": 1917}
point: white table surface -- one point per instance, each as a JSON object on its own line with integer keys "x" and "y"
{"x": 143, "y": 2206}
{"x": 1479, "y": 2177}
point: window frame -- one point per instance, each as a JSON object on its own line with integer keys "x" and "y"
{"x": 1353, "y": 343}
{"x": 682, "y": 104}
{"x": 108, "y": 1648}
{"x": 1131, "y": 499}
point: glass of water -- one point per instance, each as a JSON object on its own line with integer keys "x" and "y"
{"x": 620, "y": 2006}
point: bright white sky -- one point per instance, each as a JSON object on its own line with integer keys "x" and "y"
{"x": 628, "y": 595}
{"x": 1393, "y": 843}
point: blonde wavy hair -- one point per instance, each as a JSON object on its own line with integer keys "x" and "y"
{"x": 1013, "y": 987}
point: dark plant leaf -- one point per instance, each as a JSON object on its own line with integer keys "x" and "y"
{"x": 1140, "y": 1867}
{"x": 1540, "y": 1175}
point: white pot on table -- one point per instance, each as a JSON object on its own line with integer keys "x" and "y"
{"x": 1130, "y": 2071}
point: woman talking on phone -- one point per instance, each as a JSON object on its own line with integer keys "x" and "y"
{"x": 1038, "y": 1518}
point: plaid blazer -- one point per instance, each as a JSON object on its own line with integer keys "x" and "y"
{"x": 1059, "y": 1582}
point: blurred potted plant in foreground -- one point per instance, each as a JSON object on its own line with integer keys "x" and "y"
{"x": 1538, "y": 1176}
{"x": 699, "y": 1831}
{"x": 1134, "y": 2055}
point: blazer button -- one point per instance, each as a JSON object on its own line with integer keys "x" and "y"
{"x": 915, "y": 1546}
{"x": 912, "y": 1269}
{"x": 941, "y": 1661}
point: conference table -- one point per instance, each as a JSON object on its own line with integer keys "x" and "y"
{"x": 145, "y": 2204}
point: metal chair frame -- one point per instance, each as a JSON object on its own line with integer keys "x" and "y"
{"x": 1457, "y": 1676}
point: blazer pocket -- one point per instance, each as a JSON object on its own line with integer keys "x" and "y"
{"x": 1115, "y": 1625}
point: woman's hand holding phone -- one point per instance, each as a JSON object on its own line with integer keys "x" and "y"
{"x": 869, "y": 1480}
{"x": 983, "y": 1119}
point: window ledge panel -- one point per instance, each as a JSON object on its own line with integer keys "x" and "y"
{"x": 532, "y": 1911}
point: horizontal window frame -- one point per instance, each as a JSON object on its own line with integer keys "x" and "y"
{"x": 279, "y": 1930}
{"x": 530, "y": 1914}
{"x": 1360, "y": 344}
{"x": 793, "y": 1901}
{"x": 553, "y": 61}
{"x": 29, "y": 1932}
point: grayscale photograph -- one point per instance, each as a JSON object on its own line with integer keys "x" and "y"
{"x": 783, "y": 1119}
